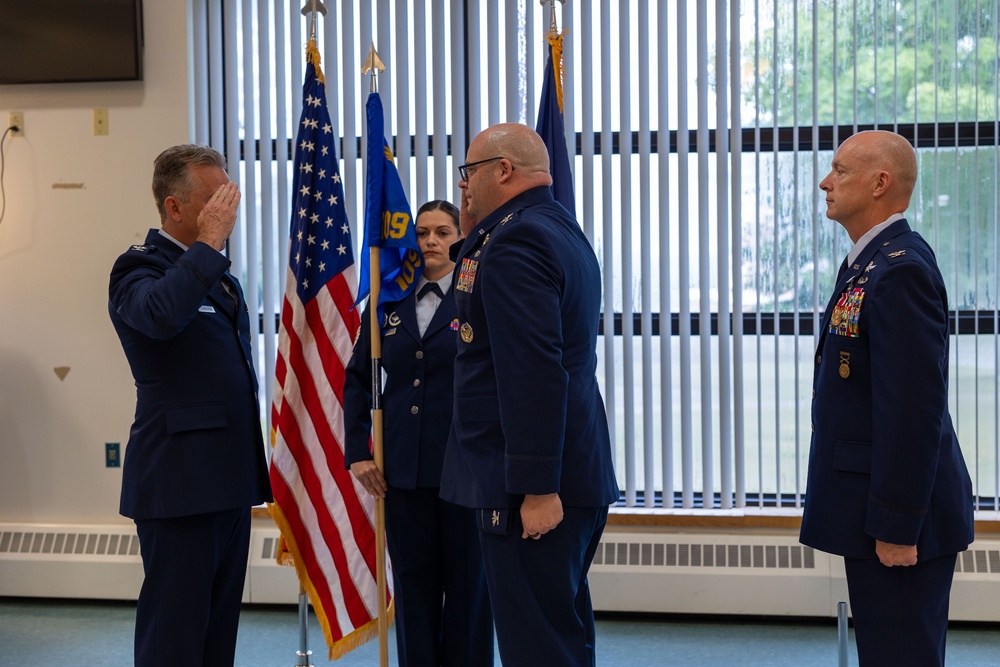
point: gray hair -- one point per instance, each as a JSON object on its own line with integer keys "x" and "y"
{"x": 172, "y": 175}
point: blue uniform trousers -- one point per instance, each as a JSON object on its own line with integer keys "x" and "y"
{"x": 189, "y": 605}
{"x": 442, "y": 605}
{"x": 900, "y": 613}
{"x": 539, "y": 591}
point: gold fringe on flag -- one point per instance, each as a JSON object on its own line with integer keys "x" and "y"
{"x": 288, "y": 554}
{"x": 555, "y": 41}
{"x": 312, "y": 55}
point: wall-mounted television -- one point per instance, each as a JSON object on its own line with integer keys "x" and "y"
{"x": 70, "y": 40}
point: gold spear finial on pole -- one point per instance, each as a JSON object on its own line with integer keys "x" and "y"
{"x": 374, "y": 65}
{"x": 553, "y": 26}
{"x": 313, "y": 7}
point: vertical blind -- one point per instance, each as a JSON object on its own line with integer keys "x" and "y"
{"x": 699, "y": 133}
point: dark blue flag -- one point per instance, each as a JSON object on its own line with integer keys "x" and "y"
{"x": 551, "y": 128}
{"x": 389, "y": 224}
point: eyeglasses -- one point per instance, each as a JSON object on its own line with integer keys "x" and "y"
{"x": 463, "y": 171}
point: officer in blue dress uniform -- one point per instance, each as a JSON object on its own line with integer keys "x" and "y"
{"x": 530, "y": 449}
{"x": 442, "y": 605}
{"x": 887, "y": 488}
{"x": 194, "y": 464}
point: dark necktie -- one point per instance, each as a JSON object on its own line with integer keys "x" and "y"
{"x": 843, "y": 267}
{"x": 429, "y": 287}
{"x": 230, "y": 289}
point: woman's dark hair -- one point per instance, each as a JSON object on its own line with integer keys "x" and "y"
{"x": 441, "y": 205}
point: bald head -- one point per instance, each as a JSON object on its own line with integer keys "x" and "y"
{"x": 507, "y": 159}
{"x": 873, "y": 177}
{"x": 519, "y": 143}
{"x": 887, "y": 151}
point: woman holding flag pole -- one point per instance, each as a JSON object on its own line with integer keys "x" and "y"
{"x": 433, "y": 544}
{"x": 442, "y": 608}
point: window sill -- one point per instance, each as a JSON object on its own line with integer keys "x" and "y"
{"x": 986, "y": 522}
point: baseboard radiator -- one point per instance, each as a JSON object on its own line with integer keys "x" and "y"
{"x": 704, "y": 572}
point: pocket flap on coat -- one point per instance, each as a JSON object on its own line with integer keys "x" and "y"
{"x": 196, "y": 417}
{"x": 853, "y": 457}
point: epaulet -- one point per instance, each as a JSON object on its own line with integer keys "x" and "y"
{"x": 893, "y": 252}
{"x": 143, "y": 248}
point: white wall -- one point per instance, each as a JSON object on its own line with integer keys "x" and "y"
{"x": 56, "y": 250}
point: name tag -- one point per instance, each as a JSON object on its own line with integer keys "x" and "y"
{"x": 206, "y": 309}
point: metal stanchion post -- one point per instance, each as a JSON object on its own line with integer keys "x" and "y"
{"x": 303, "y": 654}
{"x": 842, "y": 633}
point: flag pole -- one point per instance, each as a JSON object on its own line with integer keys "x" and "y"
{"x": 373, "y": 65}
{"x": 303, "y": 655}
{"x": 553, "y": 26}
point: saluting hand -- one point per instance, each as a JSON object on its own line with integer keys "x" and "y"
{"x": 370, "y": 477}
{"x": 218, "y": 217}
{"x": 540, "y": 514}
{"x": 892, "y": 555}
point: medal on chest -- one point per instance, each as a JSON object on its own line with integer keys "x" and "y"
{"x": 467, "y": 275}
{"x": 846, "y": 315}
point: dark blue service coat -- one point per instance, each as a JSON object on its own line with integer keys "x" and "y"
{"x": 529, "y": 417}
{"x": 417, "y": 398}
{"x": 885, "y": 461}
{"x": 196, "y": 444}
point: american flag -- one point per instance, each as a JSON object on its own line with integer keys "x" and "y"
{"x": 324, "y": 516}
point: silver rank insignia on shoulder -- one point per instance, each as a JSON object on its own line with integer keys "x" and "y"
{"x": 896, "y": 254}
{"x": 506, "y": 218}
{"x": 140, "y": 248}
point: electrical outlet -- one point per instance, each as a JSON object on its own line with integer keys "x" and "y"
{"x": 112, "y": 454}
{"x": 100, "y": 122}
{"x": 16, "y": 119}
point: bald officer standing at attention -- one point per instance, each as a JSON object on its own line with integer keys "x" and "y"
{"x": 530, "y": 448}
{"x": 888, "y": 488}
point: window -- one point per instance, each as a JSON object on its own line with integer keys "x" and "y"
{"x": 716, "y": 253}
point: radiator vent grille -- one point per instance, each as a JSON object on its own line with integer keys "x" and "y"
{"x": 656, "y": 554}
{"x": 269, "y": 548}
{"x": 756, "y": 556}
{"x": 69, "y": 544}
{"x": 978, "y": 561}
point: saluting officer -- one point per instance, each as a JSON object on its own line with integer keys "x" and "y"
{"x": 195, "y": 464}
